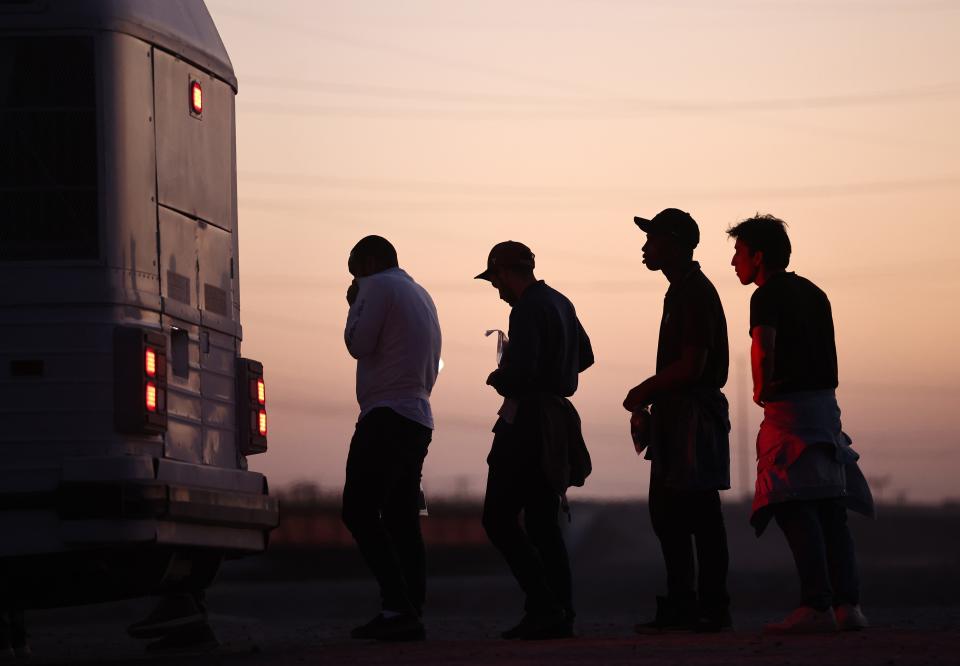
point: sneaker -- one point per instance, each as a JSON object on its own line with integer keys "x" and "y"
{"x": 403, "y": 627}
{"x": 671, "y": 617}
{"x": 171, "y": 614}
{"x": 192, "y": 639}
{"x": 850, "y": 617}
{"x": 805, "y": 620}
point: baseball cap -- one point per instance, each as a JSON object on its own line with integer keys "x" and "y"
{"x": 508, "y": 253}
{"x": 674, "y": 222}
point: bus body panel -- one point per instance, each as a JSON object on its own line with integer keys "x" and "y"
{"x": 136, "y": 226}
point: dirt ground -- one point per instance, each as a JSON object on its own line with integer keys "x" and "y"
{"x": 294, "y": 607}
{"x": 308, "y": 623}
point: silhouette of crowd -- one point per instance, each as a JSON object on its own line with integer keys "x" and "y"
{"x": 807, "y": 472}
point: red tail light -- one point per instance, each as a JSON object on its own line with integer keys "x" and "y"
{"x": 251, "y": 407}
{"x": 151, "y": 397}
{"x": 196, "y": 97}
{"x": 140, "y": 380}
{"x": 150, "y": 362}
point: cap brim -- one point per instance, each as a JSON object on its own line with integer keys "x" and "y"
{"x": 484, "y": 275}
{"x": 643, "y": 223}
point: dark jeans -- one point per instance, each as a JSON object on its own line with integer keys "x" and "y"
{"x": 823, "y": 551}
{"x": 689, "y": 523}
{"x": 536, "y": 553}
{"x": 380, "y": 504}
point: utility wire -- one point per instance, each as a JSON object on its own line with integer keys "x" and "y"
{"x": 458, "y": 64}
{"x": 621, "y": 104}
{"x": 873, "y": 187}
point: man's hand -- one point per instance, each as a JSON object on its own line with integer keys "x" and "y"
{"x": 640, "y": 429}
{"x": 636, "y": 398}
{"x": 352, "y": 292}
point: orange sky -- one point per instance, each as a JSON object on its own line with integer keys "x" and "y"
{"x": 449, "y": 126}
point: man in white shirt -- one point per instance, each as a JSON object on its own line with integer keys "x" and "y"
{"x": 394, "y": 333}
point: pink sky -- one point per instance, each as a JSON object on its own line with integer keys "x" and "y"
{"x": 449, "y": 126}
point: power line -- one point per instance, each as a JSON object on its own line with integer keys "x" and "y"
{"x": 874, "y": 187}
{"x": 395, "y": 50}
{"x": 601, "y": 104}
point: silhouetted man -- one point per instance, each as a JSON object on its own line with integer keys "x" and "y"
{"x": 393, "y": 332}
{"x": 538, "y": 449}
{"x": 688, "y": 432}
{"x": 807, "y": 473}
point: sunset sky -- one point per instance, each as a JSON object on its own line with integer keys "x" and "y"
{"x": 447, "y": 126}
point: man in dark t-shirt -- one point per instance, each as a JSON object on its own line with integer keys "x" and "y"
{"x": 805, "y": 354}
{"x": 688, "y": 431}
{"x": 807, "y": 474}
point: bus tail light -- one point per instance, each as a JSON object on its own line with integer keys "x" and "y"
{"x": 150, "y": 362}
{"x": 151, "y": 397}
{"x": 140, "y": 380}
{"x": 196, "y": 98}
{"x": 251, "y": 407}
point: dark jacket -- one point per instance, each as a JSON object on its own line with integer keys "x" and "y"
{"x": 548, "y": 349}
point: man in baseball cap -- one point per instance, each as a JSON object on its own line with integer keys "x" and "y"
{"x": 687, "y": 437}
{"x": 508, "y": 253}
{"x": 531, "y": 465}
{"x": 672, "y": 222}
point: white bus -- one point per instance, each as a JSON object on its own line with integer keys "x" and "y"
{"x": 126, "y": 410}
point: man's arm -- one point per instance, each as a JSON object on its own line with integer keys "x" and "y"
{"x": 763, "y": 343}
{"x": 586, "y": 349}
{"x": 365, "y": 320}
{"x": 515, "y": 376}
{"x": 678, "y": 375}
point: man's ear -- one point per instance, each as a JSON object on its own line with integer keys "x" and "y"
{"x": 757, "y": 258}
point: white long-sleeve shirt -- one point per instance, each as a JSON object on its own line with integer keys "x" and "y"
{"x": 394, "y": 333}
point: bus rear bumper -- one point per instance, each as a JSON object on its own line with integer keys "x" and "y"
{"x": 126, "y": 500}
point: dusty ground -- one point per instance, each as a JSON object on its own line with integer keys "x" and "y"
{"x": 276, "y": 623}
{"x": 297, "y": 607}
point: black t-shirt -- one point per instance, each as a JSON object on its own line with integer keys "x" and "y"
{"x": 805, "y": 351}
{"x": 693, "y": 317}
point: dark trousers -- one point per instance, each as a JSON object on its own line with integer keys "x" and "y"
{"x": 693, "y": 538}
{"x": 380, "y": 504}
{"x": 823, "y": 551}
{"x": 536, "y": 553}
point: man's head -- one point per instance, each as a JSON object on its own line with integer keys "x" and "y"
{"x": 509, "y": 269}
{"x": 762, "y": 247}
{"x": 371, "y": 255}
{"x": 672, "y": 234}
